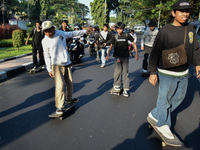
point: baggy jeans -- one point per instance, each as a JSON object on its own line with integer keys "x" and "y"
{"x": 172, "y": 91}
{"x": 121, "y": 68}
{"x": 63, "y": 82}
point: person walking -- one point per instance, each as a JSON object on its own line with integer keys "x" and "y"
{"x": 174, "y": 50}
{"x": 147, "y": 41}
{"x": 37, "y": 35}
{"x": 58, "y": 62}
{"x": 103, "y": 37}
{"x": 121, "y": 55}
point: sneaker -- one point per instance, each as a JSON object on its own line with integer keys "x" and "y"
{"x": 43, "y": 67}
{"x": 59, "y": 111}
{"x": 165, "y": 130}
{"x": 152, "y": 117}
{"x": 103, "y": 65}
{"x": 117, "y": 88}
{"x": 144, "y": 71}
{"x": 34, "y": 68}
{"x": 125, "y": 93}
{"x": 74, "y": 100}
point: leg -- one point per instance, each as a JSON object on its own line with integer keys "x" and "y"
{"x": 117, "y": 73}
{"x": 69, "y": 83}
{"x": 167, "y": 88}
{"x": 145, "y": 63}
{"x": 34, "y": 54}
{"x": 59, "y": 86}
{"x": 41, "y": 57}
{"x": 103, "y": 58}
{"x": 125, "y": 66}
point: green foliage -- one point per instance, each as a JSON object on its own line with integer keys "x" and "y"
{"x": 18, "y": 38}
{"x": 6, "y": 43}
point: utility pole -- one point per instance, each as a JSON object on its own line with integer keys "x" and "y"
{"x": 105, "y": 9}
{"x": 159, "y": 15}
{"x": 3, "y": 8}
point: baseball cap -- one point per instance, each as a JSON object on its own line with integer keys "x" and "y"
{"x": 181, "y": 4}
{"x": 47, "y": 25}
{"x": 76, "y": 27}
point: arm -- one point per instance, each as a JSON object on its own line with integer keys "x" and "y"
{"x": 108, "y": 55}
{"x": 27, "y": 40}
{"x": 47, "y": 58}
{"x": 142, "y": 39}
{"x": 135, "y": 38}
{"x": 136, "y": 53}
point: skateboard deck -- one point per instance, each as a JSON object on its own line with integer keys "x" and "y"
{"x": 34, "y": 71}
{"x": 114, "y": 92}
{"x": 171, "y": 142}
{"x": 65, "y": 109}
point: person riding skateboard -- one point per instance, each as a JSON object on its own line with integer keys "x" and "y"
{"x": 173, "y": 77}
{"x": 58, "y": 62}
{"x": 121, "y": 55}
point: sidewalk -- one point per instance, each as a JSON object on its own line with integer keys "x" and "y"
{"x": 14, "y": 67}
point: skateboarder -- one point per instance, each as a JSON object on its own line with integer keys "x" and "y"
{"x": 121, "y": 55}
{"x": 146, "y": 44}
{"x": 58, "y": 62}
{"x": 173, "y": 77}
{"x": 37, "y": 35}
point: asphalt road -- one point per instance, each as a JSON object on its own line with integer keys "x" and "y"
{"x": 100, "y": 121}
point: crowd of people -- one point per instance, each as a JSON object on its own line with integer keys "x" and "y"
{"x": 172, "y": 50}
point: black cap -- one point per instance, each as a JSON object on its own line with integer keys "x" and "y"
{"x": 181, "y": 4}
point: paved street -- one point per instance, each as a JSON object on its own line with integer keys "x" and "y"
{"x": 99, "y": 121}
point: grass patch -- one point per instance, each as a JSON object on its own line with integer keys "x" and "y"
{"x": 12, "y": 51}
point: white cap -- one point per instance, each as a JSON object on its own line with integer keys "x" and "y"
{"x": 76, "y": 27}
{"x": 47, "y": 25}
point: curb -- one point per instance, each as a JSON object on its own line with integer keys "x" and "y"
{"x": 15, "y": 71}
{"x": 15, "y": 57}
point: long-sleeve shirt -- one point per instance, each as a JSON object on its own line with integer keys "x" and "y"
{"x": 148, "y": 37}
{"x": 55, "y": 48}
{"x": 134, "y": 37}
{"x": 170, "y": 37}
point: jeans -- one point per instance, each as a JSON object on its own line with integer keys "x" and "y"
{"x": 121, "y": 68}
{"x": 103, "y": 57}
{"x": 172, "y": 91}
{"x": 63, "y": 82}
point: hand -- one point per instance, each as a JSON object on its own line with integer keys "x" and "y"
{"x": 198, "y": 71}
{"x": 51, "y": 74}
{"x": 26, "y": 43}
{"x": 142, "y": 48}
{"x": 153, "y": 79}
{"x": 104, "y": 44}
{"x": 107, "y": 57}
{"x": 136, "y": 57}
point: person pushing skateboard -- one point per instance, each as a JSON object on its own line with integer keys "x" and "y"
{"x": 174, "y": 50}
{"x": 58, "y": 63}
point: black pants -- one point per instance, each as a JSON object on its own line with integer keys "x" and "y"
{"x": 41, "y": 56}
{"x": 146, "y": 53}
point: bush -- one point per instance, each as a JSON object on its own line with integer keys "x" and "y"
{"x": 18, "y": 38}
{"x": 6, "y": 31}
{"x": 6, "y": 43}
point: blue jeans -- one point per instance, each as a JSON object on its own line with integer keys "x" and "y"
{"x": 172, "y": 91}
{"x": 103, "y": 57}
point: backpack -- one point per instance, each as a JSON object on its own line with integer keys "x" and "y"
{"x": 35, "y": 30}
{"x": 116, "y": 38}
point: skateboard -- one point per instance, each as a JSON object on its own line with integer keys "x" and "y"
{"x": 171, "y": 142}
{"x": 65, "y": 109}
{"x": 114, "y": 92}
{"x": 35, "y": 71}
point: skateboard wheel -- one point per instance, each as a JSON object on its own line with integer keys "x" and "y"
{"x": 150, "y": 126}
{"x": 164, "y": 144}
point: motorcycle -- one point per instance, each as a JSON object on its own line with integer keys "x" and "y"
{"x": 76, "y": 50}
{"x": 91, "y": 45}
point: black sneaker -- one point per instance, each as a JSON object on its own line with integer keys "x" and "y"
{"x": 74, "y": 100}
{"x": 59, "y": 111}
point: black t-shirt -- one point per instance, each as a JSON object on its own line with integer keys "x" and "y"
{"x": 37, "y": 38}
{"x": 170, "y": 37}
{"x": 121, "y": 45}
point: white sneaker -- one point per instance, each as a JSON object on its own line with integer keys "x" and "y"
{"x": 165, "y": 130}
{"x": 103, "y": 65}
{"x": 117, "y": 88}
{"x": 145, "y": 71}
{"x": 152, "y": 117}
{"x": 125, "y": 93}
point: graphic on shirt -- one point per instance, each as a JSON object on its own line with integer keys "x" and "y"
{"x": 191, "y": 37}
{"x": 173, "y": 58}
{"x": 61, "y": 38}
